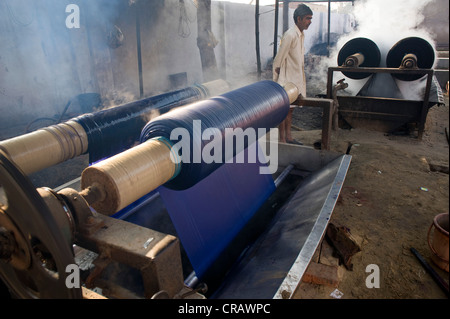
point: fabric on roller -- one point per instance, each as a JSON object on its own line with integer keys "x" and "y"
{"x": 114, "y": 130}
{"x": 210, "y": 214}
{"x": 261, "y": 105}
{"x": 209, "y": 203}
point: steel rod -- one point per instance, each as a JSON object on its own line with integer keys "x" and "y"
{"x": 283, "y": 175}
{"x": 442, "y": 284}
{"x": 275, "y": 33}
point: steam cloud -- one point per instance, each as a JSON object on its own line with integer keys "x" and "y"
{"x": 385, "y": 22}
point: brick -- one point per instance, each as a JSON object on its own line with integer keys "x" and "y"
{"x": 321, "y": 274}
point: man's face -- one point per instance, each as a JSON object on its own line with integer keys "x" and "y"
{"x": 304, "y": 22}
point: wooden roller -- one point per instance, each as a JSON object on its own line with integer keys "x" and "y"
{"x": 126, "y": 177}
{"x": 354, "y": 60}
{"x": 216, "y": 87}
{"x": 292, "y": 91}
{"x": 46, "y": 147}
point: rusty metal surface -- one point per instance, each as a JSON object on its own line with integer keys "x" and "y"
{"x": 42, "y": 242}
{"x": 328, "y": 110}
{"x": 38, "y": 240}
{"x": 380, "y": 114}
{"x": 155, "y": 255}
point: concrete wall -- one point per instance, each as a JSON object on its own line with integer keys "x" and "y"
{"x": 43, "y": 64}
{"x": 237, "y": 47}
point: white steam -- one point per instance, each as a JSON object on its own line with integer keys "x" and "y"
{"x": 385, "y": 22}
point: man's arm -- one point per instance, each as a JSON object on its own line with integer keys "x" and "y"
{"x": 283, "y": 51}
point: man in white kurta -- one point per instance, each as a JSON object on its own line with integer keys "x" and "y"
{"x": 289, "y": 63}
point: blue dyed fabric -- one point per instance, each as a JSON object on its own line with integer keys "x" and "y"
{"x": 210, "y": 214}
{"x": 115, "y": 130}
{"x": 261, "y": 105}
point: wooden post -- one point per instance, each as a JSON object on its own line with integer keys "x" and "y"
{"x": 139, "y": 50}
{"x": 205, "y": 41}
{"x": 285, "y": 15}
{"x": 329, "y": 28}
{"x": 258, "y": 54}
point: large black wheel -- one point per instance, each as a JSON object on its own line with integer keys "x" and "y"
{"x": 364, "y": 46}
{"x": 421, "y": 48}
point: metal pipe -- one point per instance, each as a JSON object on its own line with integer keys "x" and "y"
{"x": 275, "y": 34}
{"x": 192, "y": 280}
{"x": 285, "y": 15}
{"x": 329, "y": 28}
{"x": 442, "y": 284}
{"x": 258, "y": 53}
{"x": 283, "y": 175}
{"x": 139, "y": 51}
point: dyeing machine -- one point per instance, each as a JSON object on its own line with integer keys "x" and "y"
{"x": 152, "y": 222}
{"x": 393, "y": 97}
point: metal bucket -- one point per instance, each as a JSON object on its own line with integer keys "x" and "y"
{"x": 439, "y": 245}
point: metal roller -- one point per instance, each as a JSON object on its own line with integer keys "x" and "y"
{"x": 116, "y": 129}
{"x": 410, "y": 53}
{"x": 359, "y": 52}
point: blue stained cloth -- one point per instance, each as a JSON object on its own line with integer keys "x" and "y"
{"x": 210, "y": 203}
{"x": 259, "y": 106}
{"x": 210, "y": 214}
{"x": 114, "y": 130}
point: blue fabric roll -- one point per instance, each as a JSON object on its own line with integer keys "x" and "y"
{"x": 114, "y": 130}
{"x": 261, "y": 105}
{"x": 210, "y": 203}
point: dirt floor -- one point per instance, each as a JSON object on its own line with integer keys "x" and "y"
{"x": 390, "y": 197}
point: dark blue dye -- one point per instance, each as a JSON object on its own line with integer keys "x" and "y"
{"x": 114, "y": 130}
{"x": 210, "y": 214}
{"x": 263, "y": 104}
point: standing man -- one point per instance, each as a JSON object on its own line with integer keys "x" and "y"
{"x": 289, "y": 63}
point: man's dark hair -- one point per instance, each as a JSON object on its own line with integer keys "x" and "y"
{"x": 301, "y": 11}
